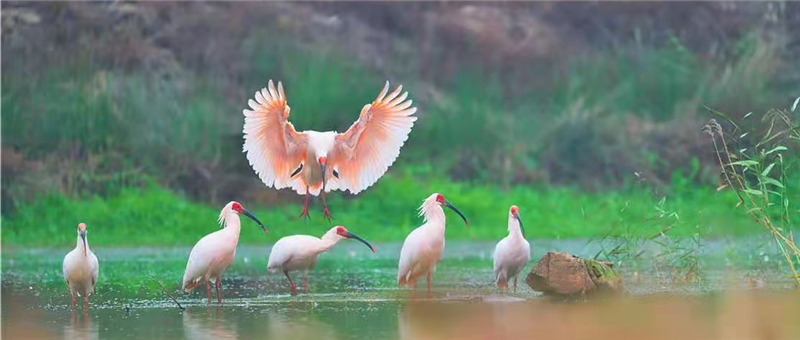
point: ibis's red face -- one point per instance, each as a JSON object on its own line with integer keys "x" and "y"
{"x": 343, "y": 232}
{"x": 514, "y": 211}
{"x": 82, "y": 234}
{"x": 442, "y": 201}
{"x": 241, "y": 210}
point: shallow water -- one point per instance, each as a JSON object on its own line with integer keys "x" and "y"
{"x": 742, "y": 290}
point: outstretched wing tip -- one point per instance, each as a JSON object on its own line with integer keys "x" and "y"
{"x": 383, "y": 93}
{"x": 272, "y": 146}
{"x": 372, "y": 144}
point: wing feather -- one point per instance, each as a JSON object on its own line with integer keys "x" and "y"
{"x": 365, "y": 151}
{"x": 274, "y": 148}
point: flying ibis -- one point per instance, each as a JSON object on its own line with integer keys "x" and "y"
{"x": 312, "y": 162}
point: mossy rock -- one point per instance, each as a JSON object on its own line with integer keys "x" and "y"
{"x": 568, "y": 275}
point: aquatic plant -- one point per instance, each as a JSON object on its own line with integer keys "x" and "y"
{"x": 758, "y": 173}
{"x": 677, "y": 255}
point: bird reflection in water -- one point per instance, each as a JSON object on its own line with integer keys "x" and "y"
{"x": 81, "y": 327}
{"x": 288, "y": 326}
{"x": 208, "y": 323}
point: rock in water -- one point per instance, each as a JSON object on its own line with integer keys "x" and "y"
{"x": 569, "y": 275}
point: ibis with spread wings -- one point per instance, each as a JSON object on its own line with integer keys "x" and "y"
{"x": 312, "y": 162}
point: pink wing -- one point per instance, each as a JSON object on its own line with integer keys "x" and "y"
{"x": 365, "y": 151}
{"x": 274, "y": 148}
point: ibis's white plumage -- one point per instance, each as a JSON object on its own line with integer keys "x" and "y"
{"x": 512, "y": 253}
{"x": 300, "y": 252}
{"x": 285, "y": 158}
{"x": 81, "y": 267}
{"x": 423, "y": 247}
{"x": 214, "y": 253}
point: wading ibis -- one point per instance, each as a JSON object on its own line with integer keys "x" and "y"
{"x": 423, "y": 247}
{"x": 80, "y": 268}
{"x": 300, "y": 252}
{"x": 512, "y": 252}
{"x": 312, "y": 162}
{"x": 214, "y": 253}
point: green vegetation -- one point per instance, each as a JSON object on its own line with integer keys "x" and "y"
{"x": 146, "y": 159}
{"x": 759, "y": 175}
{"x": 85, "y": 107}
{"x": 387, "y": 212}
{"x": 587, "y": 126}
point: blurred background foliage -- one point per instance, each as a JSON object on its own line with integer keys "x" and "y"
{"x": 586, "y": 115}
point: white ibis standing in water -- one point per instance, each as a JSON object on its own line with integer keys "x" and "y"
{"x": 80, "y": 268}
{"x": 313, "y": 163}
{"x": 300, "y": 252}
{"x": 512, "y": 252}
{"x": 214, "y": 253}
{"x": 423, "y": 248}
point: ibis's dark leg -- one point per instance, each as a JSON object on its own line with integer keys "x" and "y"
{"x": 294, "y": 288}
{"x": 304, "y": 213}
{"x": 325, "y": 209}
{"x": 218, "y": 287}
{"x": 428, "y": 281}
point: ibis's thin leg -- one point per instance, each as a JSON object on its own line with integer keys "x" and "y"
{"x": 218, "y": 286}
{"x": 428, "y": 281}
{"x": 305, "y": 280}
{"x": 294, "y": 288}
{"x": 325, "y": 209}
{"x": 304, "y": 213}
{"x": 208, "y": 292}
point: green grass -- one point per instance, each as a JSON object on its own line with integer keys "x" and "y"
{"x": 386, "y": 212}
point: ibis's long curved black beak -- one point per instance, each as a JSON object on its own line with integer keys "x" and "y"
{"x": 248, "y": 214}
{"x": 83, "y": 238}
{"x": 451, "y": 206}
{"x": 520, "y": 224}
{"x": 354, "y": 236}
{"x": 324, "y": 180}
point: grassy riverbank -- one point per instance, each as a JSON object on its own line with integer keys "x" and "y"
{"x": 387, "y": 212}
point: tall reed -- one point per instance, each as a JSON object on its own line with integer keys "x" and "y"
{"x": 757, "y": 173}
